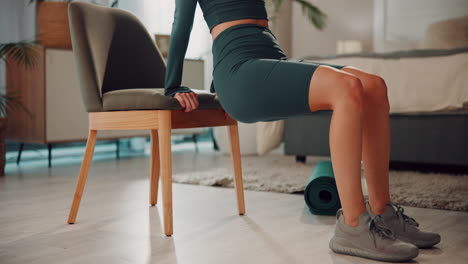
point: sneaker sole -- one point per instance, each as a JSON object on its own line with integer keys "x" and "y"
{"x": 337, "y": 248}
{"x": 419, "y": 244}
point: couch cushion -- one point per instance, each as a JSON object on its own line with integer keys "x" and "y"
{"x": 152, "y": 99}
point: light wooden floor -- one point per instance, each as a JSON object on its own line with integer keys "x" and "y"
{"x": 116, "y": 224}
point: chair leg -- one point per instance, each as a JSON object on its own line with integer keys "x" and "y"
{"x": 18, "y": 159}
{"x": 236, "y": 163}
{"x": 117, "y": 149}
{"x": 301, "y": 158}
{"x": 154, "y": 182}
{"x": 166, "y": 167}
{"x": 88, "y": 156}
{"x": 215, "y": 145}
{"x": 49, "y": 148}
{"x": 194, "y": 138}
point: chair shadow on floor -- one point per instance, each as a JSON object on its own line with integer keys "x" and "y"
{"x": 161, "y": 247}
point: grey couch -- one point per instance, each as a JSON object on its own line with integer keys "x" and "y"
{"x": 431, "y": 138}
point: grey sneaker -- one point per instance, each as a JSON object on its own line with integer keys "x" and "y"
{"x": 405, "y": 228}
{"x": 370, "y": 239}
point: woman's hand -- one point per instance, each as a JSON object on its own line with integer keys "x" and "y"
{"x": 189, "y": 101}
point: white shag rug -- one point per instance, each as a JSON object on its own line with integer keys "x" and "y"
{"x": 281, "y": 173}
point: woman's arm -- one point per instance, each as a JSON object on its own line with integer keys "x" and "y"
{"x": 181, "y": 29}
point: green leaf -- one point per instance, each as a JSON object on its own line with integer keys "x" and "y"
{"x": 23, "y": 52}
{"x": 12, "y": 102}
{"x": 313, "y": 13}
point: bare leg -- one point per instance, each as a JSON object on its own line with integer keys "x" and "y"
{"x": 343, "y": 92}
{"x": 376, "y": 138}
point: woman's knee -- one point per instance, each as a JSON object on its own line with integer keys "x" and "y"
{"x": 351, "y": 91}
{"x": 377, "y": 91}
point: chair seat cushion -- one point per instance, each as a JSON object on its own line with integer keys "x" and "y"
{"x": 152, "y": 99}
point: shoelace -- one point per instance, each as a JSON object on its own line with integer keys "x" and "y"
{"x": 403, "y": 217}
{"x": 380, "y": 230}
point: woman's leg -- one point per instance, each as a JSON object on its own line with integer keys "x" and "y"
{"x": 375, "y": 152}
{"x": 331, "y": 88}
{"x": 376, "y": 138}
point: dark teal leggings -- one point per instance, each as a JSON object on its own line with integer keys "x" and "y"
{"x": 253, "y": 78}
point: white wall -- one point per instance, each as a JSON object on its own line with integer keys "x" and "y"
{"x": 402, "y": 24}
{"x": 17, "y": 23}
{"x": 281, "y": 26}
{"x": 347, "y": 20}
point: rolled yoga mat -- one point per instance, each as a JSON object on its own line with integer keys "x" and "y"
{"x": 321, "y": 194}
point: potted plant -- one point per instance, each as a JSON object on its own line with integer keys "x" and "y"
{"x": 22, "y": 53}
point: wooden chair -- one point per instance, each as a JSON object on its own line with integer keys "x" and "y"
{"x": 121, "y": 75}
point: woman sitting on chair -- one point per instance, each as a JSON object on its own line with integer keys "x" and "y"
{"x": 255, "y": 81}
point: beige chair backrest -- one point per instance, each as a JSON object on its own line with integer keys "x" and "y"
{"x": 112, "y": 51}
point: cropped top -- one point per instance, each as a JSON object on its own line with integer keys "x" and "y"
{"x": 214, "y": 12}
